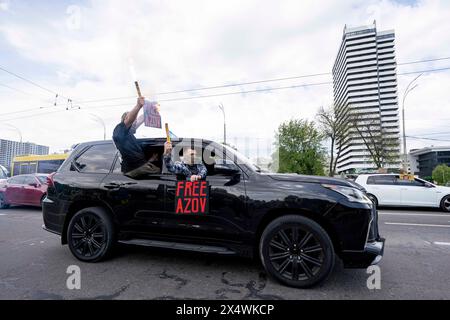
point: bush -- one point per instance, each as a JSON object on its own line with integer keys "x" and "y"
{"x": 441, "y": 174}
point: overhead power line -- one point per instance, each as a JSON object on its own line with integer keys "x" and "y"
{"x": 222, "y": 94}
{"x": 431, "y": 139}
{"x": 27, "y": 80}
{"x": 195, "y": 89}
{"x": 215, "y": 87}
{"x": 423, "y": 61}
{"x": 249, "y": 83}
{"x": 436, "y": 134}
{"x": 256, "y": 90}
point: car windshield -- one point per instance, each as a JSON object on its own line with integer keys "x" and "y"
{"x": 241, "y": 159}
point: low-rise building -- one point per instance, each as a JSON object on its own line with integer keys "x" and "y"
{"x": 423, "y": 161}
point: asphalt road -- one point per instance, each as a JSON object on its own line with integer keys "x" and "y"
{"x": 33, "y": 265}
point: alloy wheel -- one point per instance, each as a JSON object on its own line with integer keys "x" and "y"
{"x": 447, "y": 204}
{"x": 296, "y": 254}
{"x": 88, "y": 235}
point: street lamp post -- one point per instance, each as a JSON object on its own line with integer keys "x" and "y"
{"x": 408, "y": 90}
{"x": 221, "y": 107}
{"x": 15, "y": 128}
{"x": 100, "y": 120}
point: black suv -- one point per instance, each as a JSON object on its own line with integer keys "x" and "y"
{"x": 295, "y": 224}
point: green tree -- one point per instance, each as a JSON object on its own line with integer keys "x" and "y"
{"x": 441, "y": 174}
{"x": 299, "y": 148}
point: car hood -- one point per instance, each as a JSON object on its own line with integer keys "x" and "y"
{"x": 293, "y": 177}
{"x": 443, "y": 189}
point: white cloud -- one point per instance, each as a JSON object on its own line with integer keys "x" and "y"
{"x": 4, "y": 6}
{"x": 185, "y": 44}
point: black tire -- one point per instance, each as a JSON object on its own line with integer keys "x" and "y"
{"x": 307, "y": 268}
{"x": 91, "y": 234}
{"x": 373, "y": 199}
{"x": 3, "y": 205}
{"x": 445, "y": 204}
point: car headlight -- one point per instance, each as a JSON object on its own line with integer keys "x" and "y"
{"x": 352, "y": 194}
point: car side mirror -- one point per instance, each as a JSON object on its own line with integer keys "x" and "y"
{"x": 33, "y": 184}
{"x": 229, "y": 169}
{"x": 428, "y": 185}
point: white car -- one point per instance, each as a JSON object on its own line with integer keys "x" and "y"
{"x": 390, "y": 190}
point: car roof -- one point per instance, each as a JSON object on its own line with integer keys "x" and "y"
{"x": 30, "y": 175}
{"x": 377, "y": 174}
{"x": 153, "y": 140}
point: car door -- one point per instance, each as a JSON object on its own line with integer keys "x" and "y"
{"x": 30, "y": 192}
{"x": 417, "y": 192}
{"x": 137, "y": 203}
{"x": 13, "y": 190}
{"x": 227, "y": 201}
{"x": 385, "y": 189}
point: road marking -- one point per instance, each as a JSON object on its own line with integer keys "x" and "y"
{"x": 2, "y": 214}
{"x": 418, "y": 224}
{"x": 413, "y": 214}
{"x": 442, "y": 243}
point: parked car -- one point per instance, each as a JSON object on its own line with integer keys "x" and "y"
{"x": 295, "y": 224}
{"x": 27, "y": 189}
{"x": 390, "y": 190}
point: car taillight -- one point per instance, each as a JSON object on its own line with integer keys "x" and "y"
{"x": 50, "y": 181}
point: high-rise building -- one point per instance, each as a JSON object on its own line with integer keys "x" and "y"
{"x": 10, "y": 149}
{"x": 365, "y": 83}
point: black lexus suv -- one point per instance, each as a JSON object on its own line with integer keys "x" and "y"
{"x": 295, "y": 224}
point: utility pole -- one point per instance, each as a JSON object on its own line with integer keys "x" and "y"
{"x": 408, "y": 90}
{"x": 221, "y": 107}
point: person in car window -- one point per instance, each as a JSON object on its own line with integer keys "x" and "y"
{"x": 134, "y": 164}
{"x": 188, "y": 168}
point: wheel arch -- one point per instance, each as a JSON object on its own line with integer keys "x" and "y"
{"x": 79, "y": 205}
{"x": 376, "y": 198}
{"x": 280, "y": 212}
{"x": 442, "y": 199}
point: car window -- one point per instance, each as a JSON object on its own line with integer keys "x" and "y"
{"x": 49, "y": 166}
{"x": 411, "y": 183}
{"x": 117, "y": 166}
{"x": 381, "y": 180}
{"x": 16, "y": 180}
{"x": 211, "y": 158}
{"x": 29, "y": 180}
{"x": 97, "y": 159}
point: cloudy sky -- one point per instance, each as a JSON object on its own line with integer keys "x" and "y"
{"x": 92, "y": 50}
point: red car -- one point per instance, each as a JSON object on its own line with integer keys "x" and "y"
{"x": 27, "y": 189}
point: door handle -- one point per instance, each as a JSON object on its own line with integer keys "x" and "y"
{"x": 112, "y": 185}
{"x": 115, "y": 185}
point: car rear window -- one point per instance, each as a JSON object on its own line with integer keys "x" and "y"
{"x": 42, "y": 179}
{"x": 381, "y": 179}
{"x": 96, "y": 159}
